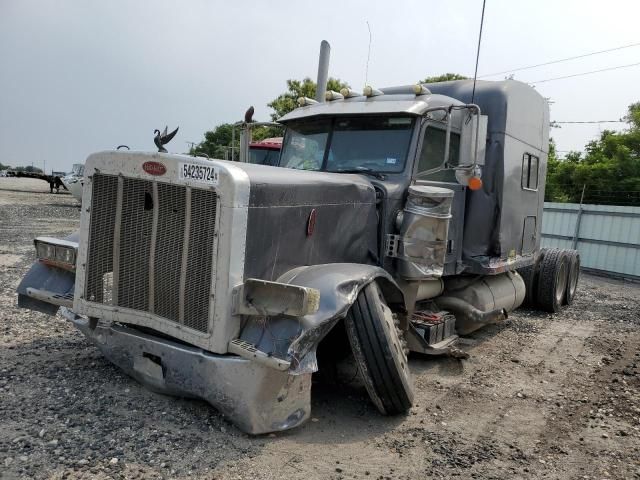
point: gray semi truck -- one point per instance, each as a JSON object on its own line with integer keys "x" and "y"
{"x": 397, "y": 220}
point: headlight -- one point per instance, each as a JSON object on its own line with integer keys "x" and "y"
{"x": 60, "y": 253}
{"x": 65, "y": 255}
{"x": 45, "y": 250}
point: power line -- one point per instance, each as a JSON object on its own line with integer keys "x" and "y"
{"x": 592, "y": 121}
{"x": 561, "y": 60}
{"x": 586, "y": 73}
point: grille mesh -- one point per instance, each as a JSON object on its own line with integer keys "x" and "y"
{"x": 135, "y": 243}
{"x": 169, "y": 246}
{"x": 200, "y": 259}
{"x": 103, "y": 215}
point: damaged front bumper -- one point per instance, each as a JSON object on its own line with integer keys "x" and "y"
{"x": 256, "y": 398}
{"x": 263, "y": 383}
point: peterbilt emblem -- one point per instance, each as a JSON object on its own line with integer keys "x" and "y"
{"x": 154, "y": 168}
{"x": 311, "y": 223}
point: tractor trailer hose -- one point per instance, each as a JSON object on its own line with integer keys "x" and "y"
{"x": 465, "y": 309}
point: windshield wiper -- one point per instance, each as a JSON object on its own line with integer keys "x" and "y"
{"x": 365, "y": 170}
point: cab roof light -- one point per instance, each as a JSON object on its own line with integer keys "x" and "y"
{"x": 415, "y": 89}
{"x": 349, "y": 93}
{"x": 304, "y": 101}
{"x": 331, "y": 95}
{"x": 421, "y": 90}
{"x": 369, "y": 91}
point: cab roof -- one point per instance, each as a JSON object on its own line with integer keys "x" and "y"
{"x": 400, "y": 104}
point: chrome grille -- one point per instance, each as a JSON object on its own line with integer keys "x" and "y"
{"x": 199, "y": 261}
{"x": 168, "y": 258}
{"x": 101, "y": 227}
{"x": 153, "y": 243}
{"x": 132, "y": 278}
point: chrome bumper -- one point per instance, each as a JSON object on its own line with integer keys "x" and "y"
{"x": 256, "y": 398}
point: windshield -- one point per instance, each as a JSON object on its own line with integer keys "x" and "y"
{"x": 377, "y": 144}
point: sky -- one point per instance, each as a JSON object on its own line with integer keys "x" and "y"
{"x": 80, "y": 76}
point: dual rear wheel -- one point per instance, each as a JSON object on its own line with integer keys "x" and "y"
{"x": 552, "y": 281}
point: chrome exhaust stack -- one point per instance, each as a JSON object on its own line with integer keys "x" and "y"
{"x": 323, "y": 71}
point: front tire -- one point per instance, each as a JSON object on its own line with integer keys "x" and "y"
{"x": 379, "y": 352}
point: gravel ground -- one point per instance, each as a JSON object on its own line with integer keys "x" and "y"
{"x": 542, "y": 396}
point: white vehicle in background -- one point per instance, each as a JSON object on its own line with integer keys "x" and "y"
{"x": 75, "y": 181}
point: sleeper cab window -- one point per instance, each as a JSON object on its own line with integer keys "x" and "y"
{"x": 530, "y": 172}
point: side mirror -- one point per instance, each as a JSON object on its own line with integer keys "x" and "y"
{"x": 473, "y": 140}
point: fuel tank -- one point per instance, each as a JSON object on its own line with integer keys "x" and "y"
{"x": 486, "y": 294}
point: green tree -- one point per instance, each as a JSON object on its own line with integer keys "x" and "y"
{"x": 217, "y": 142}
{"x": 288, "y": 101}
{"x": 445, "y": 77}
{"x": 609, "y": 169}
{"x": 29, "y": 169}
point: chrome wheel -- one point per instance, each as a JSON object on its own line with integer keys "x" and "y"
{"x": 561, "y": 282}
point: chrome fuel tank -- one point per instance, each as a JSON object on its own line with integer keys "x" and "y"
{"x": 486, "y": 293}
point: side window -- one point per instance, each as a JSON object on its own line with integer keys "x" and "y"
{"x": 530, "y": 165}
{"x": 432, "y": 154}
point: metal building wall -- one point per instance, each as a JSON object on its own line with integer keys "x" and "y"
{"x": 607, "y": 236}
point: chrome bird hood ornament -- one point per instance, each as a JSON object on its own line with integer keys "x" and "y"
{"x": 163, "y": 138}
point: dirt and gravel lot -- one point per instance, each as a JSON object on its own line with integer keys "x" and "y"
{"x": 542, "y": 396}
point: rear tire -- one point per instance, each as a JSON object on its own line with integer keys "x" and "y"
{"x": 573, "y": 276}
{"x": 528, "y": 274}
{"x": 552, "y": 280}
{"x": 379, "y": 352}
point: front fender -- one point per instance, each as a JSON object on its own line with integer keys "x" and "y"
{"x": 298, "y": 337}
{"x": 51, "y": 282}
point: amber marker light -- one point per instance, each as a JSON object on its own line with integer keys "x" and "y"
{"x": 475, "y": 183}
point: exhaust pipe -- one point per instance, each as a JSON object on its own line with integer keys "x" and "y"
{"x": 323, "y": 71}
{"x": 468, "y": 317}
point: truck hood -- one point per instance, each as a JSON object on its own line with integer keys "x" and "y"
{"x": 276, "y": 186}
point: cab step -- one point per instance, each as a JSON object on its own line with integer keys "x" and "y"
{"x": 434, "y": 327}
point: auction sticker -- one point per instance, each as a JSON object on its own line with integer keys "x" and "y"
{"x": 199, "y": 173}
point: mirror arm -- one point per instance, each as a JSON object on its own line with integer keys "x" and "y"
{"x": 472, "y": 106}
{"x": 447, "y": 140}
{"x": 445, "y": 164}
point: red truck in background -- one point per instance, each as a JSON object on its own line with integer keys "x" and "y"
{"x": 265, "y": 152}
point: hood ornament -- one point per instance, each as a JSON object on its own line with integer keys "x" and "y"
{"x": 163, "y": 138}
